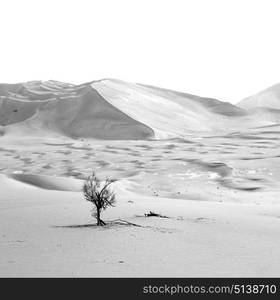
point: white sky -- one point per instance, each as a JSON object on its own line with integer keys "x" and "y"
{"x": 226, "y": 49}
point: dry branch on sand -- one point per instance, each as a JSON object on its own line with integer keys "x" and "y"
{"x": 153, "y": 214}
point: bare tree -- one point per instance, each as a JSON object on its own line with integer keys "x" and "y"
{"x": 98, "y": 194}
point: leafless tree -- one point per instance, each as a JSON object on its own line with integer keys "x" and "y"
{"x": 100, "y": 195}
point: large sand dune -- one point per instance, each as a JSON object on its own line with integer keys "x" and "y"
{"x": 77, "y": 111}
{"x": 113, "y": 109}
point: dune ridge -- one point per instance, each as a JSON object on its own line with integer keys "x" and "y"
{"x": 268, "y": 98}
{"x": 116, "y": 110}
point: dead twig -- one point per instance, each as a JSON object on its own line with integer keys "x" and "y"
{"x": 153, "y": 214}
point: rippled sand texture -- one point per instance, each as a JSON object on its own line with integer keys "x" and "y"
{"x": 239, "y": 166}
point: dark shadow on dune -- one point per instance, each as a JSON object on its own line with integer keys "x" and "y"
{"x": 251, "y": 158}
{"x": 243, "y": 136}
{"x": 170, "y": 146}
{"x": 251, "y": 137}
{"x": 58, "y": 144}
{"x": 226, "y": 152}
{"x": 257, "y": 179}
{"x": 2, "y": 131}
{"x": 267, "y": 126}
{"x": 228, "y": 183}
{"x": 111, "y": 151}
{"x": 79, "y": 148}
{"x": 270, "y": 132}
{"x": 7, "y": 150}
{"x": 177, "y": 140}
{"x": 255, "y": 158}
{"x": 248, "y": 189}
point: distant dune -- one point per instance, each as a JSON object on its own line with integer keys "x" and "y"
{"x": 269, "y": 98}
{"x": 117, "y": 110}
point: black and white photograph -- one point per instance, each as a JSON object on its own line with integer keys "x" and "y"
{"x": 140, "y": 139}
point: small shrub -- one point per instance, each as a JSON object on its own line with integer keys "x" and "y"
{"x": 100, "y": 195}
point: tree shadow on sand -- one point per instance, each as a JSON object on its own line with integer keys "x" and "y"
{"x": 108, "y": 224}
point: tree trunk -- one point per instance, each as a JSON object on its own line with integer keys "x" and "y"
{"x": 99, "y": 221}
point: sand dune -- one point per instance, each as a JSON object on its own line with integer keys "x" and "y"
{"x": 49, "y": 182}
{"x": 170, "y": 113}
{"x": 64, "y": 109}
{"x": 269, "y": 98}
{"x": 114, "y": 109}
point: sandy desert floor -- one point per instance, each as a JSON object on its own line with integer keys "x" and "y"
{"x": 220, "y": 194}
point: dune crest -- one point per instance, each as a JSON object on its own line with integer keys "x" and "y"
{"x": 112, "y": 109}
